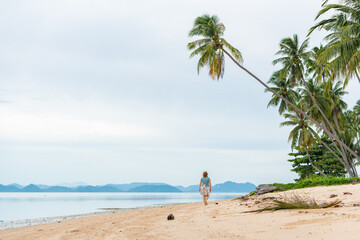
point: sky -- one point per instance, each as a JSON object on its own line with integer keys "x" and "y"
{"x": 104, "y": 92}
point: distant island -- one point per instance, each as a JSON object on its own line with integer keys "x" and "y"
{"x": 129, "y": 187}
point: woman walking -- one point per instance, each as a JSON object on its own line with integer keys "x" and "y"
{"x": 205, "y": 187}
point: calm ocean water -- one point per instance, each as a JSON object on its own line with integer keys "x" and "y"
{"x": 19, "y": 206}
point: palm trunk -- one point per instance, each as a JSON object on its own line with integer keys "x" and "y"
{"x": 321, "y": 172}
{"x": 357, "y": 76}
{"x": 296, "y": 108}
{"x": 317, "y": 106}
{"x": 338, "y": 129}
{"x": 354, "y": 169}
{"x": 343, "y": 153}
{"x": 347, "y": 167}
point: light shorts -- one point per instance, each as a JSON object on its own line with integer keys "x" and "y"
{"x": 205, "y": 191}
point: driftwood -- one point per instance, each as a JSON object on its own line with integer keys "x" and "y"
{"x": 265, "y": 188}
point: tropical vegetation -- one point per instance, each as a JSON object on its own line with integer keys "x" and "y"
{"x": 321, "y": 157}
{"x": 315, "y": 181}
{"x": 308, "y": 88}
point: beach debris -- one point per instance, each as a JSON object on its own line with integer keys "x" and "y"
{"x": 216, "y": 203}
{"x": 265, "y": 188}
{"x": 356, "y": 205}
{"x": 171, "y": 217}
{"x": 296, "y": 202}
{"x": 333, "y": 195}
{"x": 257, "y": 202}
{"x": 347, "y": 193}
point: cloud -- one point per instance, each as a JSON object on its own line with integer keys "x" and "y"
{"x": 59, "y": 128}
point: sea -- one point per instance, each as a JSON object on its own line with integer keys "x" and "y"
{"x": 20, "y": 206}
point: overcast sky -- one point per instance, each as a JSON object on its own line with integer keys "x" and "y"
{"x": 104, "y": 92}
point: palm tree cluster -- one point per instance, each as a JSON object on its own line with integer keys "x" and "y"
{"x": 302, "y": 82}
{"x": 305, "y": 89}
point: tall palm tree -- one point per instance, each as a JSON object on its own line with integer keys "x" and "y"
{"x": 284, "y": 88}
{"x": 293, "y": 56}
{"x": 302, "y": 136}
{"x": 343, "y": 50}
{"x": 211, "y": 31}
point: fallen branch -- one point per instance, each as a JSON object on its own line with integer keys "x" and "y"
{"x": 296, "y": 202}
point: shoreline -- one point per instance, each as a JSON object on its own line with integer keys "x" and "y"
{"x": 45, "y": 220}
{"x": 224, "y": 219}
{"x": 11, "y": 224}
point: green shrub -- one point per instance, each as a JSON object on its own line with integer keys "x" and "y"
{"x": 315, "y": 181}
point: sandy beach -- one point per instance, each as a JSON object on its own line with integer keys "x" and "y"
{"x": 225, "y": 220}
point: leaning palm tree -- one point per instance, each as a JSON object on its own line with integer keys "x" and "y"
{"x": 212, "y": 43}
{"x": 293, "y": 55}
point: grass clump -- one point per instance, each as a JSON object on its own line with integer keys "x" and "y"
{"x": 296, "y": 202}
{"x": 315, "y": 181}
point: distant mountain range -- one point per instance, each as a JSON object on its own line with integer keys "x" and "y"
{"x": 129, "y": 187}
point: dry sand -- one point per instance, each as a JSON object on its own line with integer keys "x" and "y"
{"x": 225, "y": 220}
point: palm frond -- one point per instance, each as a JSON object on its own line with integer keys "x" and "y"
{"x": 235, "y": 52}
